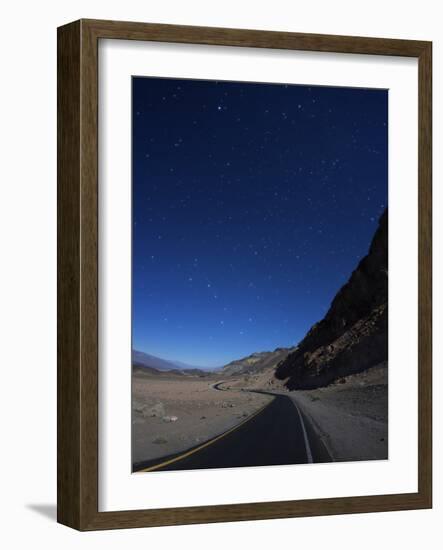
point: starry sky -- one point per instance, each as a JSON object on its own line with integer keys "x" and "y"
{"x": 252, "y": 204}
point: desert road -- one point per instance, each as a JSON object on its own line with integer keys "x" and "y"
{"x": 277, "y": 434}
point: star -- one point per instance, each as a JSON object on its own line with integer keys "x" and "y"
{"x": 250, "y": 200}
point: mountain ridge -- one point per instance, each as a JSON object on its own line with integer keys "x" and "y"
{"x": 255, "y": 362}
{"x": 353, "y": 334}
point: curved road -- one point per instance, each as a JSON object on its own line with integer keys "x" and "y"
{"x": 278, "y": 434}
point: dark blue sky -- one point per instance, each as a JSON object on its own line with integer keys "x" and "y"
{"x": 252, "y": 204}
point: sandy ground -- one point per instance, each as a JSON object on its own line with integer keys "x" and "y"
{"x": 351, "y": 417}
{"x": 172, "y": 414}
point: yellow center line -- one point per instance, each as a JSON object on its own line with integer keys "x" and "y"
{"x": 203, "y": 445}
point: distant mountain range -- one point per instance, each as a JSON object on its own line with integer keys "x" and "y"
{"x": 252, "y": 364}
{"x": 152, "y": 363}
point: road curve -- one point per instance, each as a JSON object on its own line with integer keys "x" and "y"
{"x": 278, "y": 434}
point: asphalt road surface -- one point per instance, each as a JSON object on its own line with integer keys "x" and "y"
{"x": 278, "y": 434}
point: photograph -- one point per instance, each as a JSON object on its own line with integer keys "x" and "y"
{"x": 259, "y": 274}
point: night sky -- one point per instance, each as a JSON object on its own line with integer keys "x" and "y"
{"x": 252, "y": 204}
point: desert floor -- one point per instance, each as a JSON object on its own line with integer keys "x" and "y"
{"x": 171, "y": 414}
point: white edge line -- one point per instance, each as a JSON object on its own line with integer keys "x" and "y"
{"x": 305, "y": 435}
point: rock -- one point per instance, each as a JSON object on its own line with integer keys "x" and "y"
{"x": 149, "y": 410}
{"x": 158, "y": 410}
{"x": 137, "y": 406}
{"x": 170, "y": 418}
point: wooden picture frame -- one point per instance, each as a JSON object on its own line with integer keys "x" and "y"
{"x": 78, "y": 274}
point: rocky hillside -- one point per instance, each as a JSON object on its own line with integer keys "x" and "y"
{"x": 255, "y": 363}
{"x": 353, "y": 335}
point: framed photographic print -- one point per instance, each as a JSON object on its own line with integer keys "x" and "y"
{"x": 244, "y": 275}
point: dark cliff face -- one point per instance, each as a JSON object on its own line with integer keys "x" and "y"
{"x": 353, "y": 335}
